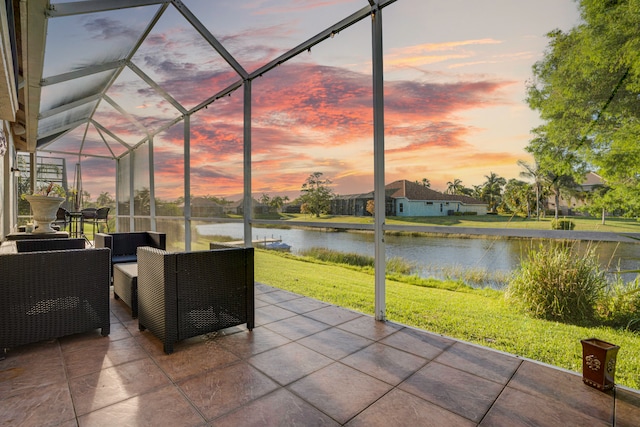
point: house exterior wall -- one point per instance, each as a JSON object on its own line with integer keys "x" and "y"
{"x": 405, "y": 207}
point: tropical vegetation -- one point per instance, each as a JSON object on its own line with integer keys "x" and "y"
{"x": 586, "y": 90}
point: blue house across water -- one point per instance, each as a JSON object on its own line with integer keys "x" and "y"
{"x": 406, "y": 198}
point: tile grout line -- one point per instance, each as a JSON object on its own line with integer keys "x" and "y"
{"x": 515, "y": 371}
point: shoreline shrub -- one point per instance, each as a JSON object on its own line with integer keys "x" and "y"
{"x": 558, "y": 283}
{"x": 394, "y": 264}
{"x": 621, "y": 305}
{"x": 562, "y": 224}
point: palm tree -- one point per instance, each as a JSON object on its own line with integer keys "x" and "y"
{"x": 476, "y": 191}
{"x": 560, "y": 185}
{"x": 455, "y": 187}
{"x": 492, "y": 190}
{"x": 105, "y": 199}
{"x": 425, "y": 182}
{"x": 533, "y": 172}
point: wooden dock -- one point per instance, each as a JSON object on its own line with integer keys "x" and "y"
{"x": 256, "y": 242}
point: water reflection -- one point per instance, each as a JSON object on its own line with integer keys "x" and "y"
{"x": 490, "y": 259}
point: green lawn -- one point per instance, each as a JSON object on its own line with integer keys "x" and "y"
{"x": 477, "y": 316}
{"x": 615, "y": 225}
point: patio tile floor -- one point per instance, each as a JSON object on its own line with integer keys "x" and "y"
{"x": 307, "y": 363}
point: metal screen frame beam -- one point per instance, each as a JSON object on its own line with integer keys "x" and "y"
{"x": 187, "y": 183}
{"x": 69, "y": 106}
{"x": 92, "y": 6}
{"x": 204, "y": 32}
{"x": 247, "y": 201}
{"x": 152, "y": 187}
{"x": 87, "y": 71}
{"x": 67, "y": 126}
{"x": 333, "y": 30}
{"x": 378, "y": 165}
{"x": 126, "y": 114}
{"x": 160, "y": 91}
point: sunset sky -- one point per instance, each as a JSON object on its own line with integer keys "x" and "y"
{"x": 455, "y": 76}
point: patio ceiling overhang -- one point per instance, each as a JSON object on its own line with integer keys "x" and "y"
{"x": 71, "y": 88}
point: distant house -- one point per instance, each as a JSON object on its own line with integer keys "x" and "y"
{"x": 292, "y": 208}
{"x": 237, "y": 207}
{"x": 592, "y": 181}
{"x": 205, "y": 208}
{"x": 411, "y": 199}
{"x": 352, "y": 204}
{"x": 406, "y": 198}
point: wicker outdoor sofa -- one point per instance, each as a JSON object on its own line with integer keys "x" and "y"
{"x": 185, "y": 294}
{"x": 50, "y": 294}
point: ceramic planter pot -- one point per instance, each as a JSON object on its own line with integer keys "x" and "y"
{"x": 599, "y": 363}
{"x": 44, "y": 210}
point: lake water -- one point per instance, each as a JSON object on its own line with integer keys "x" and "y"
{"x": 433, "y": 256}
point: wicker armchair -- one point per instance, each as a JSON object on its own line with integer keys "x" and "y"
{"x": 123, "y": 245}
{"x": 182, "y": 295}
{"x": 50, "y": 294}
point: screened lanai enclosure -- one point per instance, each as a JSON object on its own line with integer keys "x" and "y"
{"x": 182, "y": 109}
{"x": 165, "y": 108}
{"x": 192, "y": 114}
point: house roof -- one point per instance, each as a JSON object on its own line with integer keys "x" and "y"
{"x": 591, "y": 179}
{"x": 204, "y": 202}
{"x": 413, "y": 191}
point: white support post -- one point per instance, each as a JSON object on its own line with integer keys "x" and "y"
{"x": 132, "y": 176}
{"x": 247, "y": 201}
{"x": 378, "y": 164}
{"x": 152, "y": 187}
{"x": 118, "y": 182}
{"x": 187, "y": 183}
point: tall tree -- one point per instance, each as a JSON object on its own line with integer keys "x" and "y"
{"x": 455, "y": 187}
{"x": 265, "y": 199}
{"x": 533, "y": 172}
{"x": 586, "y": 89}
{"x": 142, "y": 201}
{"x": 316, "y": 194}
{"x": 518, "y": 197}
{"x": 371, "y": 207}
{"x": 560, "y": 167}
{"x": 599, "y": 200}
{"x": 278, "y": 201}
{"x": 492, "y": 190}
{"x": 105, "y": 199}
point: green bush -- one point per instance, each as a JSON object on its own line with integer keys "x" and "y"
{"x": 562, "y": 224}
{"x": 556, "y": 282}
{"x": 620, "y": 306}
